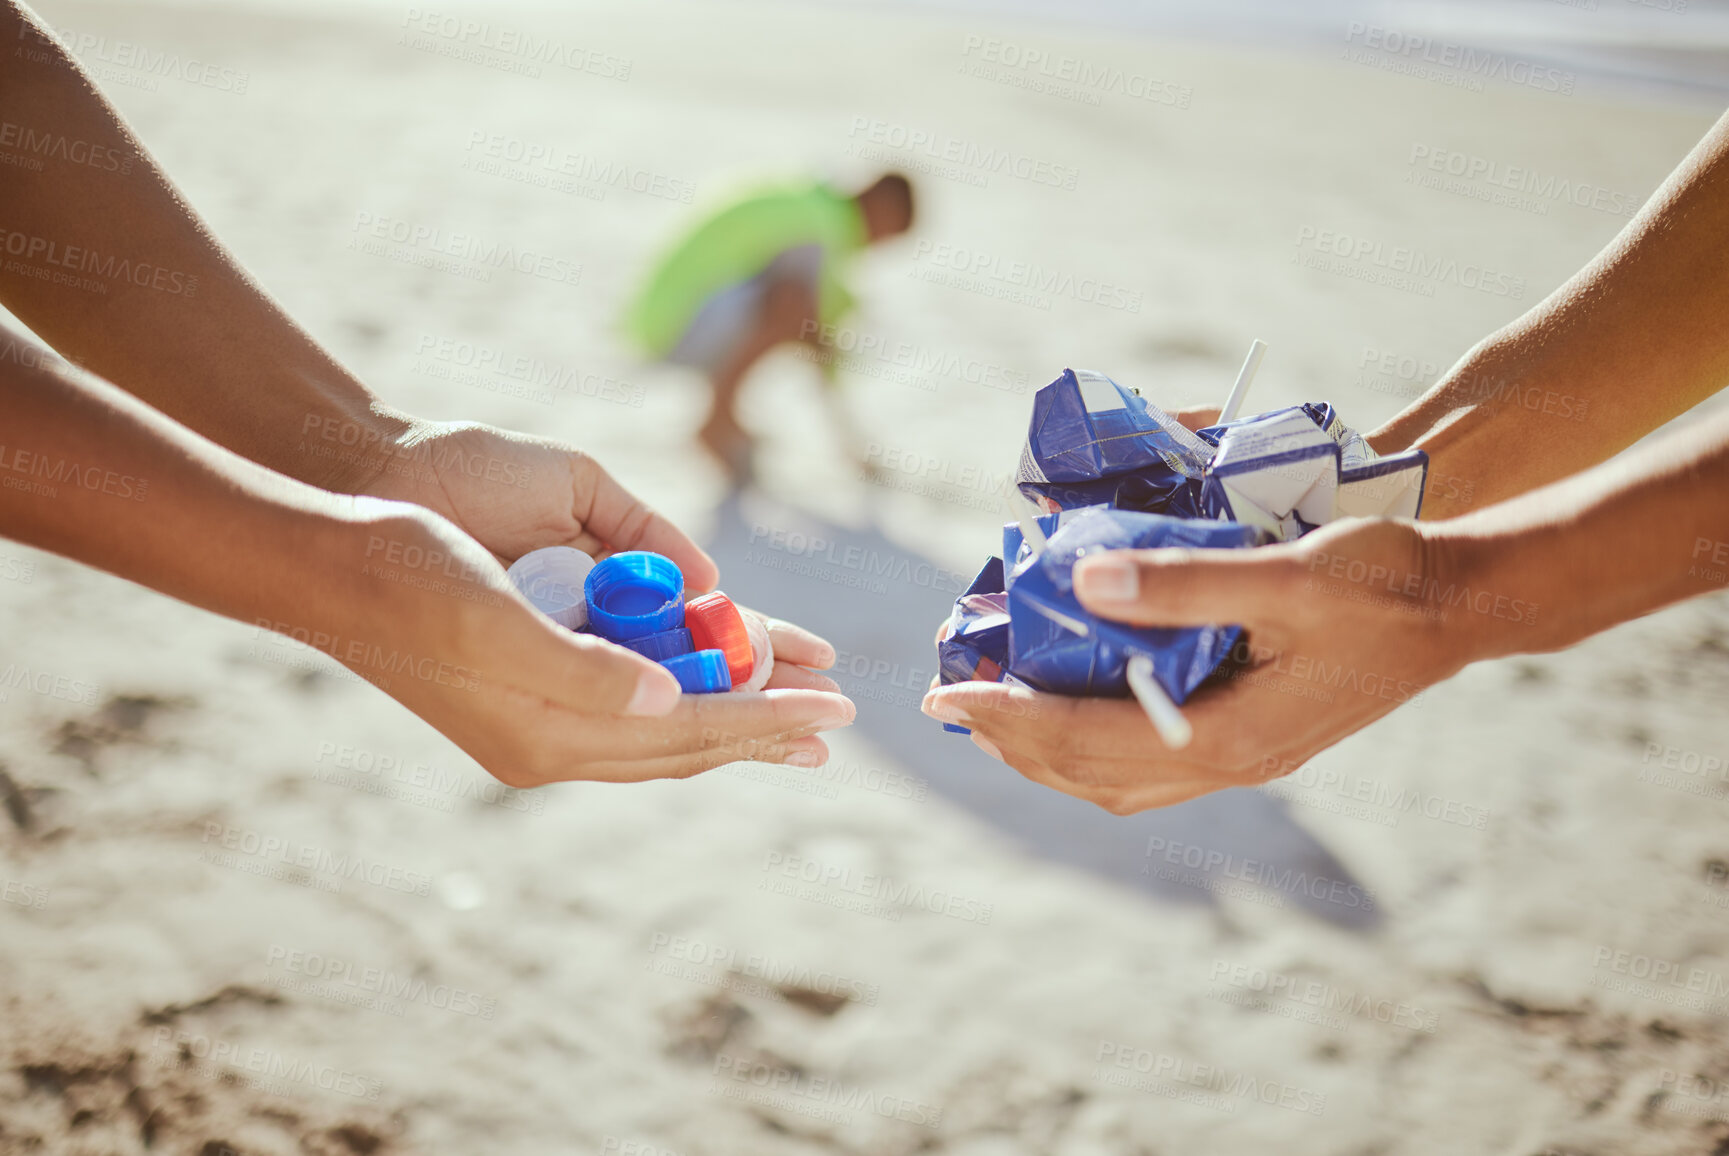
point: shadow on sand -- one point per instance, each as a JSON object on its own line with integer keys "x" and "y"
{"x": 880, "y": 604}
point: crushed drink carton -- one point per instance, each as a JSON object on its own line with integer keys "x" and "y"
{"x": 1112, "y": 471}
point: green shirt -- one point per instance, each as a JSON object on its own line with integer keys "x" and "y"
{"x": 737, "y": 243}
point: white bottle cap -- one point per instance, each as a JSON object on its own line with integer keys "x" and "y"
{"x": 552, "y": 578}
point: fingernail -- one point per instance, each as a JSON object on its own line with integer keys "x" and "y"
{"x": 1107, "y": 578}
{"x": 987, "y": 746}
{"x": 943, "y": 710}
{"x": 656, "y": 694}
{"x": 838, "y": 716}
{"x": 806, "y": 759}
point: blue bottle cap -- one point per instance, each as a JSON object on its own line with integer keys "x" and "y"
{"x": 634, "y": 594}
{"x": 660, "y": 647}
{"x": 701, "y": 671}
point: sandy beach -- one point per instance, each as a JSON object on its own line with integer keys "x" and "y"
{"x": 253, "y": 907}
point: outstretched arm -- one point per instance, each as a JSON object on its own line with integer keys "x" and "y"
{"x": 390, "y": 589}
{"x": 1359, "y": 616}
{"x": 1633, "y": 339}
{"x": 112, "y": 267}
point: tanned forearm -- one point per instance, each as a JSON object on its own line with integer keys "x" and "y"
{"x": 1638, "y": 336}
{"x": 1607, "y": 545}
{"x": 105, "y": 261}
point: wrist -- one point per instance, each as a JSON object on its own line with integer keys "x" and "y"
{"x": 1463, "y": 429}
{"x": 1495, "y": 601}
{"x": 347, "y": 449}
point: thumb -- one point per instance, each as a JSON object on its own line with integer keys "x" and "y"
{"x": 1182, "y": 587}
{"x": 580, "y": 671}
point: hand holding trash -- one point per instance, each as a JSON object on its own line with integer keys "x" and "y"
{"x": 1346, "y": 622}
{"x": 285, "y": 493}
{"x": 1118, "y": 475}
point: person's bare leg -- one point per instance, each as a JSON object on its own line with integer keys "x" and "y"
{"x": 787, "y": 309}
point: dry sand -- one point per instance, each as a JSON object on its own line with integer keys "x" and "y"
{"x": 253, "y": 906}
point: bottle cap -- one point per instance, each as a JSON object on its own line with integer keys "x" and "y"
{"x": 700, "y": 672}
{"x": 634, "y": 594}
{"x": 660, "y": 647}
{"x": 553, "y": 579}
{"x": 716, "y": 624}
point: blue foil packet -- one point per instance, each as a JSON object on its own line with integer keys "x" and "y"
{"x": 1112, "y": 472}
{"x": 973, "y": 645}
{"x": 1055, "y": 645}
{"x": 1095, "y": 442}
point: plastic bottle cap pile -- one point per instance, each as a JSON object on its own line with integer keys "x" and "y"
{"x": 636, "y": 599}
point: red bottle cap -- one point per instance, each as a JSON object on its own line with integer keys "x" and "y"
{"x": 715, "y": 624}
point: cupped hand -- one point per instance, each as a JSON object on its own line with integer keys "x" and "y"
{"x": 1341, "y": 627}
{"x": 430, "y": 617}
{"x": 514, "y": 493}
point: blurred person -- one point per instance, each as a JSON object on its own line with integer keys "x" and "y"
{"x": 1358, "y": 616}
{"x": 187, "y": 435}
{"x": 762, "y": 271}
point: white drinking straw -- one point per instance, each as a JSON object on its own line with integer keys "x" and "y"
{"x": 1026, "y": 514}
{"x": 1244, "y": 376}
{"x": 1174, "y": 730}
